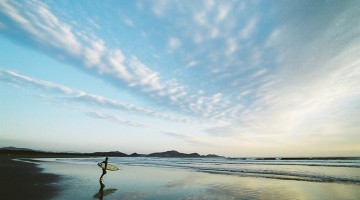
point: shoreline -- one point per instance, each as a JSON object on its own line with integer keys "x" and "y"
{"x": 25, "y": 180}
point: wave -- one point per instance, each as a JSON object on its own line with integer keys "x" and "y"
{"x": 264, "y": 169}
{"x": 334, "y": 171}
{"x": 314, "y": 163}
{"x": 284, "y": 175}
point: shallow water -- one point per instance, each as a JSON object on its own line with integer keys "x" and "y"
{"x": 207, "y": 178}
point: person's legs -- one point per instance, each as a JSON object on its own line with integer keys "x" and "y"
{"x": 101, "y": 177}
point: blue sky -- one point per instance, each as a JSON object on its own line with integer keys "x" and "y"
{"x": 236, "y": 78}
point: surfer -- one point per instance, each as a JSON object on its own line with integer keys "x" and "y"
{"x": 104, "y": 169}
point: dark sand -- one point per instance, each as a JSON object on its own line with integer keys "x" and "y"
{"x": 22, "y": 180}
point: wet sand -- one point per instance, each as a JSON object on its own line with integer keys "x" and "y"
{"x": 22, "y": 180}
{"x": 78, "y": 178}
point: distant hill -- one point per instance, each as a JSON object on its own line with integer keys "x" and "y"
{"x": 168, "y": 154}
{"x": 110, "y": 154}
{"x": 14, "y": 149}
{"x": 137, "y": 155}
{"x": 174, "y": 154}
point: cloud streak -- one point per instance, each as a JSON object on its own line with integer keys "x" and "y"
{"x": 116, "y": 119}
{"x": 72, "y": 95}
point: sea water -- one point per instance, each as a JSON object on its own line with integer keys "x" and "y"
{"x": 207, "y": 178}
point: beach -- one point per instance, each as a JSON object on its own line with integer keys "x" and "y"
{"x": 160, "y": 178}
{"x": 24, "y": 180}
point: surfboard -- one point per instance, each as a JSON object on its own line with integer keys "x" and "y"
{"x": 109, "y": 167}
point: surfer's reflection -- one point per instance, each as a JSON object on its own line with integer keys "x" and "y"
{"x": 101, "y": 190}
{"x": 102, "y": 193}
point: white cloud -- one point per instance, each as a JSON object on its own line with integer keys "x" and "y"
{"x": 159, "y": 7}
{"x": 273, "y": 37}
{"x": 128, "y": 21}
{"x": 94, "y": 53}
{"x": 259, "y": 72}
{"x": 116, "y": 60}
{"x": 173, "y": 44}
{"x": 17, "y": 78}
{"x": 248, "y": 28}
{"x": 94, "y": 24}
{"x": 192, "y": 63}
{"x": 214, "y": 32}
{"x": 231, "y": 46}
{"x": 144, "y": 76}
{"x": 209, "y": 4}
{"x": 43, "y": 26}
{"x": 200, "y": 18}
{"x": 198, "y": 38}
{"x": 223, "y": 11}
{"x": 116, "y": 119}
{"x": 216, "y": 98}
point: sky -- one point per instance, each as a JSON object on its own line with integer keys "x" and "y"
{"x": 234, "y": 78}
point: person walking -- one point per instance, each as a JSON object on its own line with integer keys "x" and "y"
{"x": 104, "y": 169}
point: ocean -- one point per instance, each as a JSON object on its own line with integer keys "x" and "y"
{"x": 207, "y": 178}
